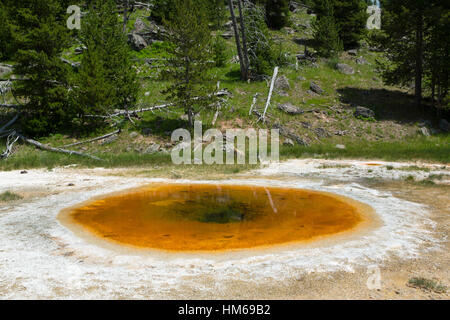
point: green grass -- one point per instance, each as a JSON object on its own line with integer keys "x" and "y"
{"x": 436, "y": 149}
{"x": 433, "y": 149}
{"x": 9, "y": 196}
{"x": 427, "y": 284}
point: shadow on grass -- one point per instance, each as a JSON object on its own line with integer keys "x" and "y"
{"x": 387, "y": 104}
{"x": 162, "y": 127}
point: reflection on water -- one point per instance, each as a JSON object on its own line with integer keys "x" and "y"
{"x": 215, "y": 217}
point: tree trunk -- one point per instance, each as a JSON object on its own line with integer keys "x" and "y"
{"x": 125, "y": 15}
{"x": 244, "y": 40}
{"x": 244, "y": 74}
{"x": 419, "y": 59}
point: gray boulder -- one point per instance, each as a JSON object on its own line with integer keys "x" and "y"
{"x": 289, "y": 142}
{"x": 345, "y": 68}
{"x": 153, "y": 148}
{"x": 424, "y": 131}
{"x": 282, "y": 84}
{"x": 362, "y": 61}
{"x": 316, "y": 88}
{"x": 353, "y": 52}
{"x": 4, "y": 70}
{"x": 109, "y": 140}
{"x": 289, "y": 108}
{"x": 139, "y": 25}
{"x": 364, "y": 113}
{"x": 134, "y": 135}
{"x": 137, "y": 42}
{"x": 444, "y": 125}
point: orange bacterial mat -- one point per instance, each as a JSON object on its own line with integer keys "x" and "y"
{"x": 209, "y": 217}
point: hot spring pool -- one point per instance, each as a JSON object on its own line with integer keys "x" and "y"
{"x": 214, "y": 217}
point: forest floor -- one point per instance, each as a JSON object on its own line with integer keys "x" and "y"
{"x": 41, "y": 258}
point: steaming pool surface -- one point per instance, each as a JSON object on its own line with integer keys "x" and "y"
{"x": 211, "y": 217}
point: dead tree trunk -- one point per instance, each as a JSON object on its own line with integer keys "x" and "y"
{"x": 244, "y": 38}
{"x": 242, "y": 62}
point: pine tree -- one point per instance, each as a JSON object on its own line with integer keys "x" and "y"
{"x": 41, "y": 36}
{"x": 163, "y": 9}
{"x": 277, "y": 13}
{"x": 6, "y": 32}
{"x": 263, "y": 57}
{"x": 350, "y": 17}
{"x": 417, "y": 45}
{"x": 190, "y": 57}
{"x": 107, "y": 79}
{"x": 217, "y": 13}
{"x": 326, "y": 32}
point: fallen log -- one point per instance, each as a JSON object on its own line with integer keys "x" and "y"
{"x": 154, "y": 108}
{"x": 51, "y": 149}
{"x": 92, "y": 140}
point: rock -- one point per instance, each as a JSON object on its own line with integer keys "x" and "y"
{"x": 340, "y": 146}
{"x": 23, "y": 172}
{"x": 316, "y": 88}
{"x": 4, "y": 70}
{"x": 109, "y": 140}
{"x": 79, "y": 50}
{"x": 364, "y": 113}
{"x": 289, "y": 108}
{"x": 444, "y": 125}
{"x": 289, "y": 30}
{"x": 424, "y": 131}
{"x": 139, "y": 26}
{"x": 228, "y": 25}
{"x": 289, "y": 142}
{"x": 301, "y": 78}
{"x": 134, "y": 135}
{"x": 362, "y": 61}
{"x": 227, "y": 35}
{"x": 345, "y": 68}
{"x": 153, "y": 148}
{"x": 321, "y": 132}
{"x": 137, "y": 42}
{"x": 353, "y": 52}
{"x": 341, "y": 133}
{"x": 282, "y": 84}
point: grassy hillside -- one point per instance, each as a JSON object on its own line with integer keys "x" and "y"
{"x": 396, "y": 131}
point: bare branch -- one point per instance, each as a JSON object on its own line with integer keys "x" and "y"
{"x": 11, "y": 122}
